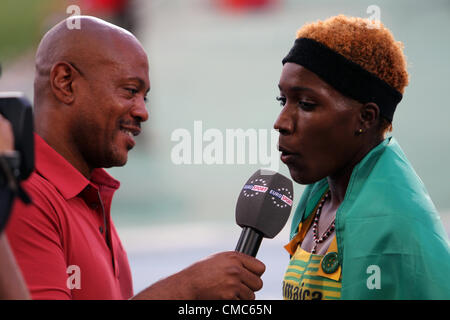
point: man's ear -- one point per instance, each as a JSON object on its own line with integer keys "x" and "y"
{"x": 369, "y": 116}
{"x": 62, "y": 76}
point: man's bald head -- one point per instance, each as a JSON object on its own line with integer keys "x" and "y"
{"x": 90, "y": 89}
{"x": 95, "y": 44}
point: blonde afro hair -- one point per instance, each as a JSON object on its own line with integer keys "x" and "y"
{"x": 369, "y": 45}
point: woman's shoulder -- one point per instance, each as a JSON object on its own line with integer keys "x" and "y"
{"x": 391, "y": 197}
{"x": 390, "y": 185}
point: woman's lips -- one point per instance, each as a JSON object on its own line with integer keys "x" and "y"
{"x": 286, "y": 155}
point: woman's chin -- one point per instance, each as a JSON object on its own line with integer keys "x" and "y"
{"x": 301, "y": 176}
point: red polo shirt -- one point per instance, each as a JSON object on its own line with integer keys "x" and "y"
{"x": 59, "y": 240}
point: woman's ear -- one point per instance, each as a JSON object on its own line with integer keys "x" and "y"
{"x": 369, "y": 117}
{"x": 62, "y": 76}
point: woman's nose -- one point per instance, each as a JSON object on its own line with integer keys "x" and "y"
{"x": 285, "y": 122}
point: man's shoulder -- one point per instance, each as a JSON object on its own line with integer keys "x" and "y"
{"x": 43, "y": 215}
{"x": 43, "y": 193}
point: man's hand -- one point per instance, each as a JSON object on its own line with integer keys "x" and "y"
{"x": 12, "y": 284}
{"x": 6, "y": 135}
{"x": 227, "y": 275}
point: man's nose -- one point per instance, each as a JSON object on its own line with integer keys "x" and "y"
{"x": 285, "y": 123}
{"x": 139, "y": 111}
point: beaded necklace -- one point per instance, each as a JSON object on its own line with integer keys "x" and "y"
{"x": 329, "y": 230}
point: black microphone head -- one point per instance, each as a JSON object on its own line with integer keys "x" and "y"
{"x": 265, "y": 202}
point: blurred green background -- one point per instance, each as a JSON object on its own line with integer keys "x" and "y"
{"x": 21, "y": 25}
{"x": 219, "y": 62}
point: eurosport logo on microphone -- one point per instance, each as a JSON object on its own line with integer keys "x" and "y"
{"x": 227, "y": 147}
{"x": 257, "y": 188}
{"x": 286, "y": 200}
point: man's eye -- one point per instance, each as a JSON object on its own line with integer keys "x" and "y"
{"x": 282, "y": 100}
{"x": 133, "y": 91}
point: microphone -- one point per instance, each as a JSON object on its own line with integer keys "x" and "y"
{"x": 262, "y": 209}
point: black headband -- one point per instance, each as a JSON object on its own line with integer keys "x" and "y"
{"x": 344, "y": 75}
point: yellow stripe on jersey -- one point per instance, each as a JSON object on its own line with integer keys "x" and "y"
{"x": 305, "y": 279}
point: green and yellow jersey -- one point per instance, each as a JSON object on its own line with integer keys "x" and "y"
{"x": 311, "y": 276}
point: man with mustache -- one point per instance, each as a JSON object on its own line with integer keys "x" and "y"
{"x": 90, "y": 90}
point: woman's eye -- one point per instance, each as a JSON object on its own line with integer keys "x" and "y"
{"x": 282, "y": 100}
{"x": 304, "y": 105}
{"x": 308, "y": 106}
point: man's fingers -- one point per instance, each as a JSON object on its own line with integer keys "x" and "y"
{"x": 252, "y": 264}
{"x": 251, "y": 280}
{"x": 246, "y": 294}
{"x": 227, "y": 275}
{"x": 250, "y": 276}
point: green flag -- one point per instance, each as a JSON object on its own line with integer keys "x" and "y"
{"x": 391, "y": 241}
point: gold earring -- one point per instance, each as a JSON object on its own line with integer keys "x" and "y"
{"x": 360, "y": 131}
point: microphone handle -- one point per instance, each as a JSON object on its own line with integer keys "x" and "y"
{"x": 249, "y": 241}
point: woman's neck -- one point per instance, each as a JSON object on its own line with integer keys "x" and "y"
{"x": 338, "y": 181}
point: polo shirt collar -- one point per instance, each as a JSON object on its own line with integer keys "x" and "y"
{"x": 59, "y": 172}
